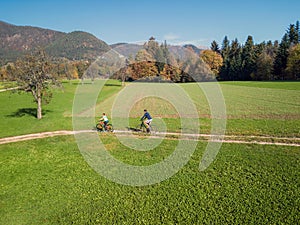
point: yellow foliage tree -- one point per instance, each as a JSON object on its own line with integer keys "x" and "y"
{"x": 213, "y": 60}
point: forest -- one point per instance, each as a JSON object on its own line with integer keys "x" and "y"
{"x": 265, "y": 61}
{"x": 230, "y": 61}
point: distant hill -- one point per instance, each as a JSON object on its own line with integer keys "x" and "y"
{"x": 194, "y": 48}
{"x": 131, "y": 49}
{"x": 17, "y": 40}
{"x": 77, "y": 45}
{"x": 128, "y": 50}
{"x": 117, "y": 44}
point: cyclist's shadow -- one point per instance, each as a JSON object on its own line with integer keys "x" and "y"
{"x": 134, "y": 129}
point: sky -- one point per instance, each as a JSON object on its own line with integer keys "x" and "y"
{"x": 177, "y": 22}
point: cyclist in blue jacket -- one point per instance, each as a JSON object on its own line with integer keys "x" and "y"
{"x": 146, "y": 118}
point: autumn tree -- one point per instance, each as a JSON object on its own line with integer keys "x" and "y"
{"x": 144, "y": 65}
{"x": 213, "y": 60}
{"x": 264, "y": 67}
{"x": 143, "y": 55}
{"x": 81, "y": 67}
{"x": 194, "y": 69}
{"x": 33, "y": 73}
{"x": 157, "y": 52}
{"x": 69, "y": 70}
{"x": 65, "y": 68}
{"x": 3, "y": 73}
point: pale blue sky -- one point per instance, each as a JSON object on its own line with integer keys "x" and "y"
{"x": 187, "y": 21}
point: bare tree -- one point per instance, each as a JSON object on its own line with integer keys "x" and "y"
{"x": 33, "y": 73}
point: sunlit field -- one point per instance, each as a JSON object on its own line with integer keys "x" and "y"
{"x": 47, "y": 181}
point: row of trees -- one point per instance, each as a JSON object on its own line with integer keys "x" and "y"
{"x": 232, "y": 61}
{"x": 62, "y": 68}
{"x": 35, "y": 72}
{"x": 264, "y": 61}
{"x": 159, "y": 62}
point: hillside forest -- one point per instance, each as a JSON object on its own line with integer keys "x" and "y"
{"x": 154, "y": 61}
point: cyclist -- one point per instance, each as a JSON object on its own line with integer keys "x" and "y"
{"x": 104, "y": 119}
{"x": 146, "y": 118}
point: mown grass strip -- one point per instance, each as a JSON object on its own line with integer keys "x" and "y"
{"x": 46, "y": 181}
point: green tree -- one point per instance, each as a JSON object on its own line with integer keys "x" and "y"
{"x": 224, "y": 73}
{"x": 33, "y": 74}
{"x": 215, "y": 47}
{"x": 293, "y": 34}
{"x": 298, "y": 31}
{"x": 160, "y": 59}
{"x": 271, "y": 49}
{"x": 248, "y": 59}
{"x": 151, "y": 47}
{"x": 293, "y": 63}
{"x": 158, "y": 52}
{"x": 281, "y": 57}
{"x": 235, "y": 61}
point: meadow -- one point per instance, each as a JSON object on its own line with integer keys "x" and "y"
{"x": 47, "y": 181}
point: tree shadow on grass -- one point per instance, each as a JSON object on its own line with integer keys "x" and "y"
{"x": 116, "y": 85}
{"x": 27, "y": 111}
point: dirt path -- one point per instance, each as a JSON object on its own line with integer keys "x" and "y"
{"x": 39, "y": 135}
{"x": 9, "y": 89}
{"x": 262, "y": 140}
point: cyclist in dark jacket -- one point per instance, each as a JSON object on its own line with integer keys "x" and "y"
{"x": 146, "y": 118}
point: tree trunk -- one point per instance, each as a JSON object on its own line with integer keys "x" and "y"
{"x": 123, "y": 79}
{"x": 39, "y": 104}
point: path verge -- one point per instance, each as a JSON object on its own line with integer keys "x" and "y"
{"x": 262, "y": 140}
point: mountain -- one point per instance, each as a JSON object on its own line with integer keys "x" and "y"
{"x": 130, "y": 50}
{"x": 18, "y": 40}
{"x": 77, "y": 45}
{"x": 194, "y": 48}
{"x": 117, "y": 44}
{"x": 127, "y": 50}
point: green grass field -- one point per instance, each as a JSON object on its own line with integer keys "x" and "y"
{"x": 47, "y": 181}
{"x": 259, "y": 111}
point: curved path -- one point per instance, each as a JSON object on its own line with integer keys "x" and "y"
{"x": 262, "y": 140}
{"x": 9, "y": 89}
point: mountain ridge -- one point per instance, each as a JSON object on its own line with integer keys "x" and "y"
{"x": 16, "y": 41}
{"x": 77, "y": 45}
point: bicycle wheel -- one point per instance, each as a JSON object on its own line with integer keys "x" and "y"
{"x": 140, "y": 128}
{"x": 110, "y": 128}
{"x": 99, "y": 127}
{"x": 153, "y": 129}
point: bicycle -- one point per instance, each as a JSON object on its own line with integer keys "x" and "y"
{"x": 100, "y": 127}
{"x": 142, "y": 128}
